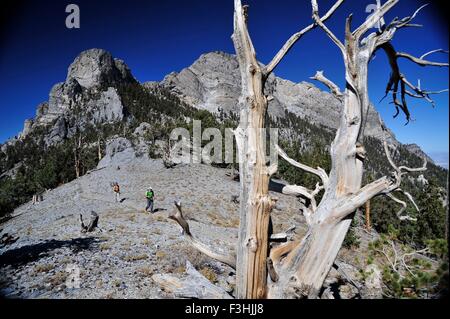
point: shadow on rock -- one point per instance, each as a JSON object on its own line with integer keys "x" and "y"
{"x": 30, "y": 253}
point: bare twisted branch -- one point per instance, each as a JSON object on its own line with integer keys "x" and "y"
{"x": 295, "y": 37}
{"x": 177, "y": 216}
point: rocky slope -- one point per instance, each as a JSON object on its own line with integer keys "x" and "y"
{"x": 48, "y": 250}
{"x": 119, "y": 261}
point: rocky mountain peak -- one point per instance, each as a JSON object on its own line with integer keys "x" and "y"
{"x": 96, "y": 67}
{"x": 213, "y": 83}
{"x": 91, "y": 87}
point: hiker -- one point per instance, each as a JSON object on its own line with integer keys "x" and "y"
{"x": 116, "y": 189}
{"x": 149, "y": 194}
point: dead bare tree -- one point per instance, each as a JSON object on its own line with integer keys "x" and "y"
{"x": 367, "y": 214}
{"x": 255, "y": 203}
{"x": 252, "y": 252}
{"x": 77, "y": 152}
{"x": 99, "y": 146}
{"x": 305, "y": 266}
{"x": 297, "y": 269}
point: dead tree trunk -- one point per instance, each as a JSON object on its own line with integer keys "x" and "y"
{"x": 367, "y": 213}
{"x": 305, "y": 267}
{"x": 314, "y": 256}
{"x": 77, "y": 155}
{"x": 99, "y": 148}
{"x": 297, "y": 269}
{"x": 255, "y": 202}
{"x": 252, "y": 250}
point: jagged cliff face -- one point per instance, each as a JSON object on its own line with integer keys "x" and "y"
{"x": 95, "y": 68}
{"x": 213, "y": 83}
{"x": 88, "y": 95}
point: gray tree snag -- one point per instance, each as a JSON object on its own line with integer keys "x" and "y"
{"x": 271, "y": 266}
{"x": 305, "y": 265}
{"x": 255, "y": 202}
{"x": 177, "y": 215}
{"x": 252, "y": 261}
{"x": 78, "y": 145}
{"x": 367, "y": 215}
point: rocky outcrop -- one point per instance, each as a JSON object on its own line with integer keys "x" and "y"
{"x": 213, "y": 83}
{"x": 58, "y": 132}
{"x": 119, "y": 151}
{"x": 96, "y": 67}
{"x": 64, "y": 95}
{"x": 89, "y": 95}
{"x": 27, "y": 125}
{"x": 108, "y": 108}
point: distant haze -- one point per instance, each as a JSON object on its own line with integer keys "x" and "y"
{"x": 440, "y": 158}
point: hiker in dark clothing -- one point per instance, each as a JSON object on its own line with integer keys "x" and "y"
{"x": 149, "y": 194}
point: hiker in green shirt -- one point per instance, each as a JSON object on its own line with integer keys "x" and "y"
{"x": 149, "y": 194}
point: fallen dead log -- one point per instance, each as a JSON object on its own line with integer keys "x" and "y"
{"x": 193, "y": 285}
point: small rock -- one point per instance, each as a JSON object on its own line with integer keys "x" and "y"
{"x": 347, "y": 292}
{"x": 327, "y": 294}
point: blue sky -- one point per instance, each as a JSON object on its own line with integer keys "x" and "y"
{"x": 157, "y": 37}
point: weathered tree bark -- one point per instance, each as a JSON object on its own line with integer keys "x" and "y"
{"x": 77, "y": 164}
{"x": 78, "y": 143}
{"x": 254, "y": 175}
{"x": 255, "y": 202}
{"x": 229, "y": 259}
{"x": 99, "y": 148}
{"x": 312, "y": 259}
{"x": 367, "y": 213}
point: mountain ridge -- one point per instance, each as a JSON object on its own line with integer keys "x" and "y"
{"x": 95, "y": 69}
{"x": 91, "y": 94}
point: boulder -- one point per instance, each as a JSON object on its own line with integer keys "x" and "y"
{"x": 142, "y": 129}
{"x": 119, "y": 151}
